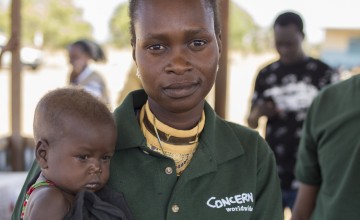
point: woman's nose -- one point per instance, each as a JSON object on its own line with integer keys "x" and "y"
{"x": 179, "y": 62}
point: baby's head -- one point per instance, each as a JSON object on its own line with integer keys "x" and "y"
{"x": 75, "y": 136}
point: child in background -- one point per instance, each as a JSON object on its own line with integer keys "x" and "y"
{"x": 75, "y": 136}
{"x": 82, "y": 74}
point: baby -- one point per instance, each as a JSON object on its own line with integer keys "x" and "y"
{"x": 75, "y": 136}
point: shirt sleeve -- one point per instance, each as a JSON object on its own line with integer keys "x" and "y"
{"x": 307, "y": 169}
{"x": 330, "y": 76}
{"x": 268, "y": 194}
{"x": 259, "y": 87}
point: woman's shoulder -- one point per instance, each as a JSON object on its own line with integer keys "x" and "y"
{"x": 228, "y": 132}
{"x": 247, "y": 137}
{"x": 339, "y": 91}
{"x": 241, "y": 131}
{"x": 232, "y": 140}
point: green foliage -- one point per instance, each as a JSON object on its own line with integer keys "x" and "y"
{"x": 4, "y": 19}
{"x": 59, "y": 22}
{"x": 120, "y": 26}
{"x": 241, "y": 29}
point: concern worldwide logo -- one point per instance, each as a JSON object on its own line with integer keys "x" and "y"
{"x": 237, "y": 203}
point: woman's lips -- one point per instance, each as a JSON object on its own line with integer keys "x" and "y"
{"x": 181, "y": 90}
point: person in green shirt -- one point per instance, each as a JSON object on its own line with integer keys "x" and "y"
{"x": 175, "y": 158}
{"x": 329, "y": 155}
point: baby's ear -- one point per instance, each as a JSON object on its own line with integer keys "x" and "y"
{"x": 41, "y": 153}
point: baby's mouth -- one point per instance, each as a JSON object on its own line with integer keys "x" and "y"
{"x": 93, "y": 186}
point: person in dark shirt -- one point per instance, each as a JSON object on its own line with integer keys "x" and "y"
{"x": 283, "y": 92}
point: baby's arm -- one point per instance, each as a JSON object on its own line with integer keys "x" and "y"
{"x": 47, "y": 203}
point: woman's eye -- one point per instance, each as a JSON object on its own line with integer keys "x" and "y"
{"x": 197, "y": 43}
{"x": 156, "y": 47}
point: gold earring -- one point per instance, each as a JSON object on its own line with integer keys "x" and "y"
{"x": 138, "y": 74}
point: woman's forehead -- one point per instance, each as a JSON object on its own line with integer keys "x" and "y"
{"x": 158, "y": 14}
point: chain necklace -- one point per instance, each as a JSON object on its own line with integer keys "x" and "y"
{"x": 159, "y": 140}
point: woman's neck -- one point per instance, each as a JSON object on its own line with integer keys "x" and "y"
{"x": 178, "y": 120}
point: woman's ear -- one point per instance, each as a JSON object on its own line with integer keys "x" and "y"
{"x": 42, "y": 153}
{"x": 218, "y": 38}
{"x": 133, "y": 45}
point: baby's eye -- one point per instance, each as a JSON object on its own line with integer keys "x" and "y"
{"x": 82, "y": 157}
{"x": 156, "y": 47}
{"x": 197, "y": 43}
{"x": 106, "y": 158}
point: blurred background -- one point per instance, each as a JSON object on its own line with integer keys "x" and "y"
{"x": 48, "y": 26}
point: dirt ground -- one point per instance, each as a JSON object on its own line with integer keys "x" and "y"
{"x": 54, "y": 71}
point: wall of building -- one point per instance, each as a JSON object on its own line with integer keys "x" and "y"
{"x": 341, "y": 48}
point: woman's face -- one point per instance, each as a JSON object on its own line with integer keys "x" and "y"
{"x": 177, "y": 52}
{"x": 78, "y": 58}
{"x": 288, "y": 43}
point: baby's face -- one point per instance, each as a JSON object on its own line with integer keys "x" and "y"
{"x": 81, "y": 160}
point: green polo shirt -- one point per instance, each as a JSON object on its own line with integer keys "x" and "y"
{"x": 329, "y": 152}
{"x": 232, "y": 175}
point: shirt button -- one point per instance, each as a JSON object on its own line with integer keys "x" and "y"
{"x": 168, "y": 170}
{"x": 175, "y": 208}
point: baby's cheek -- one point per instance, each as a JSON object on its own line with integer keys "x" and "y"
{"x": 105, "y": 175}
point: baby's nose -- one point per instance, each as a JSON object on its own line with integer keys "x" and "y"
{"x": 95, "y": 167}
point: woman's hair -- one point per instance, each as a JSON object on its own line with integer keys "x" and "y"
{"x": 92, "y": 49}
{"x": 133, "y": 6}
{"x": 57, "y": 106}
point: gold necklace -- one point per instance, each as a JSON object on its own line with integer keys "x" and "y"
{"x": 159, "y": 140}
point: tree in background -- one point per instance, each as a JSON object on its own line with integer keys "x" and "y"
{"x": 245, "y": 35}
{"x": 59, "y": 22}
{"x": 120, "y": 26}
{"x": 242, "y": 29}
{"x": 4, "y": 19}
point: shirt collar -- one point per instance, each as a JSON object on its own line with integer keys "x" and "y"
{"x": 218, "y": 140}
{"x": 84, "y": 74}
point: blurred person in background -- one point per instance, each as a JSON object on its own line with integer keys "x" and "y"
{"x": 81, "y": 53}
{"x": 283, "y": 92}
{"x": 329, "y": 156}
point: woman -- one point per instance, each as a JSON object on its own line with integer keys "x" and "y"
{"x": 175, "y": 158}
{"x": 80, "y": 54}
